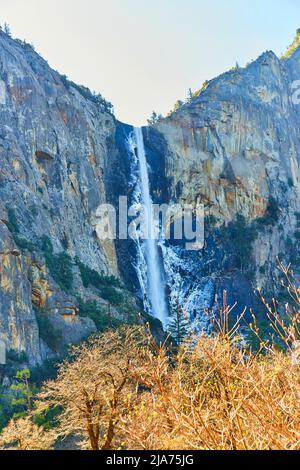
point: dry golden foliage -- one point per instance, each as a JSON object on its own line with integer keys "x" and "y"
{"x": 95, "y": 390}
{"x": 122, "y": 390}
{"x": 218, "y": 397}
{"x": 219, "y": 394}
{"x": 24, "y": 434}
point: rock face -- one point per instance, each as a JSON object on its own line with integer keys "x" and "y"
{"x": 57, "y": 144}
{"x": 235, "y": 148}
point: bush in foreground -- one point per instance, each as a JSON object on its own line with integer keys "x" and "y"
{"x": 123, "y": 391}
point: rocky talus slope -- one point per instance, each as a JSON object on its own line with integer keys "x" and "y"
{"x": 235, "y": 147}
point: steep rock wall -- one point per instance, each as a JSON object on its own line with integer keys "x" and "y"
{"x": 57, "y": 145}
{"x": 234, "y": 148}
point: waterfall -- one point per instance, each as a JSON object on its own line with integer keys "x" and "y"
{"x": 155, "y": 282}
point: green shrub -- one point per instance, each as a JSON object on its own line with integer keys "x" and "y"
{"x": 23, "y": 244}
{"x": 4, "y": 417}
{"x": 22, "y": 393}
{"x": 204, "y": 85}
{"x": 6, "y": 408}
{"x": 49, "y": 418}
{"x": 271, "y": 216}
{"x": 110, "y": 294}
{"x": 88, "y": 95}
{"x": 46, "y": 245}
{"x": 14, "y": 228}
{"x": 91, "y": 277}
{"x": 46, "y": 371}
{"x": 60, "y": 266}
{"x": 102, "y": 320}
{"x": 273, "y": 210}
{"x": 153, "y": 321}
{"x": 14, "y": 401}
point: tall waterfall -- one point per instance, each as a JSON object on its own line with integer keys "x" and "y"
{"x": 155, "y": 282}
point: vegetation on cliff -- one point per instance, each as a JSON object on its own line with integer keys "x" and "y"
{"x": 86, "y": 93}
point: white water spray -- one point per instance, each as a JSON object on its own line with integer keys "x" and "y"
{"x": 155, "y": 287}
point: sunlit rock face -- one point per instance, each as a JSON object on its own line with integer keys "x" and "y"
{"x": 56, "y": 146}
{"x": 235, "y": 148}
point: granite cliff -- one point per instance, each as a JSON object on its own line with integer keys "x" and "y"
{"x": 234, "y": 147}
{"x": 57, "y": 150}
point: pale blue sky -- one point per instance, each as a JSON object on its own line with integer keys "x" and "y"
{"x": 145, "y": 54}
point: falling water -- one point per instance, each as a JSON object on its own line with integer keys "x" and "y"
{"x": 155, "y": 282}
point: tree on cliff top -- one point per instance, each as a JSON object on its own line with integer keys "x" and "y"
{"x": 154, "y": 118}
{"x": 6, "y": 29}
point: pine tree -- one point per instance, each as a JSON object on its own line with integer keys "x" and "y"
{"x": 178, "y": 105}
{"x": 154, "y": 118}
{"x": 179, "y": 325}
{"x": 23, "y": 393}
{"x": 7, "y": 29}
{"x": 190, "y": 96}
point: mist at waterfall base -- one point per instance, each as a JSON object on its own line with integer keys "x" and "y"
{"x": 155, "y": 280}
